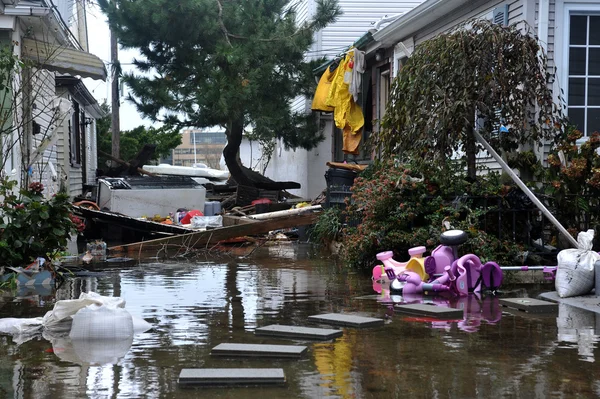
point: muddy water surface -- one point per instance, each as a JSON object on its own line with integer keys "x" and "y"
{"x": 491, "y": 352}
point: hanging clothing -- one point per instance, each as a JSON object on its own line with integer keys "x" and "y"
{"x": 322, "y": 91}
{"x": 357, "y": 72}
{"x": 346, "y": 114}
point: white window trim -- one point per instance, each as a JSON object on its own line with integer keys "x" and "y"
{"x": 561, "y": 45}
{"x": 403, "y": 49}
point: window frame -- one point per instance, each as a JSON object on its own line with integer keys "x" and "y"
{"x": 562, "y": 47}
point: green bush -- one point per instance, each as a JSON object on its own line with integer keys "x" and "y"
{"x": 401, "y": 207}
{"x": 31, "y": 225}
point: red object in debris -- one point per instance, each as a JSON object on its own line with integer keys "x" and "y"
{"x": 261, "y": 201}
{"x": 187, "y": 219}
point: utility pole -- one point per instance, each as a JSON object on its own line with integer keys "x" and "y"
{"x": 115, "y": 126}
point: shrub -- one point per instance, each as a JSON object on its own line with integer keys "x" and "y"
{"x": 402, "y": 207}
{"x": 31, "y": 225}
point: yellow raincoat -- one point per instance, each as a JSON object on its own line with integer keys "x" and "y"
{"x": 346, "y": 114}
{"x": 322, "y": 92}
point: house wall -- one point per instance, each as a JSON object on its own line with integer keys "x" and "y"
{"x": 72, "y": 174}
{"x": 43, "y": 114}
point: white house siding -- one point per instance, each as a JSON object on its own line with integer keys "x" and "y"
{"x": 358, "y": 18}
{"x": 476, "y": 9}
{"x": 72, "y": 174}
{"x": 303, "y": 13}
{"x": 43, "y": 113}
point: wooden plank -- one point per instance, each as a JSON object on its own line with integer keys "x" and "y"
{"x": 226, "y": 377}
{"x": 258, "y": 350}
{"x": 202, "y": 239}
{"x": 346, "y": 320}
{"x": 229, "y": 220}
{"x": 529, "y": 305}
{"x": 277, "y": 330}
{"x": 438, "y": 312}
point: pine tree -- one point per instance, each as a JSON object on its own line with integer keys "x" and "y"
{"x": 231, "y": 63}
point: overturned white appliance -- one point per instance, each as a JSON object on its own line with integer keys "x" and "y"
{"x": 149, "y": 196}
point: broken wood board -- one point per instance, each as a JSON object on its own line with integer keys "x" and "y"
{"x": 171, "y": 246}
{"x": 258, "y": 350}
{"x": 226, "y": 377}
{"x": 349, "y": 320}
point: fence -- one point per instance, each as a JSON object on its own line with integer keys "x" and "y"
{"x": 515, "y": 217}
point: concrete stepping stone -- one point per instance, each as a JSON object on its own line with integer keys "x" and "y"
{"x": 437, "y": 312}
{"x": 277, "y": 330}
{"x": 349, "y": 320}
{"x": 228, "y": 377}
{"x": 258, "y": 350}
{"x": 529, "y": 305}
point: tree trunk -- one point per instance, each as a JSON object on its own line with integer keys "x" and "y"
{"x": 230, "y": 153}
{"x": 471, "y": 150}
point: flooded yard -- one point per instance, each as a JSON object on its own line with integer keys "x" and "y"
{"x": 195, "y": 305}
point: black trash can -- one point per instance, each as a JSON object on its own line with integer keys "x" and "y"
{"x": 339, "y": 181}
{"x": 339, "y": 177}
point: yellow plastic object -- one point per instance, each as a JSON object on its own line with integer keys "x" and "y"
{"x": 322, "y": 92}
{"x": 417, "y": 265}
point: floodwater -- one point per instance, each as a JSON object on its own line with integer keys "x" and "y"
{"x": 491, "y": 352}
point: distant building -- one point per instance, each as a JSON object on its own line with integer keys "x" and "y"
{"x": 203, "y": 146}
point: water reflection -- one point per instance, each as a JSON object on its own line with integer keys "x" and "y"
{"x": 197, "y": 305}
{"x": 477, "y": 308}
{"x": 578, "y": 328}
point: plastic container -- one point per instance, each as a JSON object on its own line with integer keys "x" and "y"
{"x": 187, "y": 219}
{"x": 212, "y": 208}
{"x": 340, "y": 177}
{"x": 97, "y": 250}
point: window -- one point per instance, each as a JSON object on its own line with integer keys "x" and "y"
{"x": 583, "y": 83}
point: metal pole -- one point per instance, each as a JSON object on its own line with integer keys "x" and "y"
{"x": 115, "y": 126}
{"x": 525, "y": 189}
{"x": 194, "y": 135}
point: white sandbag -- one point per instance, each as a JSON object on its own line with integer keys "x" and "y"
{"x": 102, "y": 322}
{"x": 575, "y": 272}
{"x": 14, "y": 326}
{"x": 59, "y": 318}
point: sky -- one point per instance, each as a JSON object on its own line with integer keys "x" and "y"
{"x": 99, "y": 43}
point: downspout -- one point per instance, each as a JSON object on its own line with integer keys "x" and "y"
{"x": 386, "y": 19}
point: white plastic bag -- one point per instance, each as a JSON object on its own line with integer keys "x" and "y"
{"x": 575, "y": 272}
{"x": 199, "y": 222}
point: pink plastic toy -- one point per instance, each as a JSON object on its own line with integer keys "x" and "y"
{"x": 379, "y": 271}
